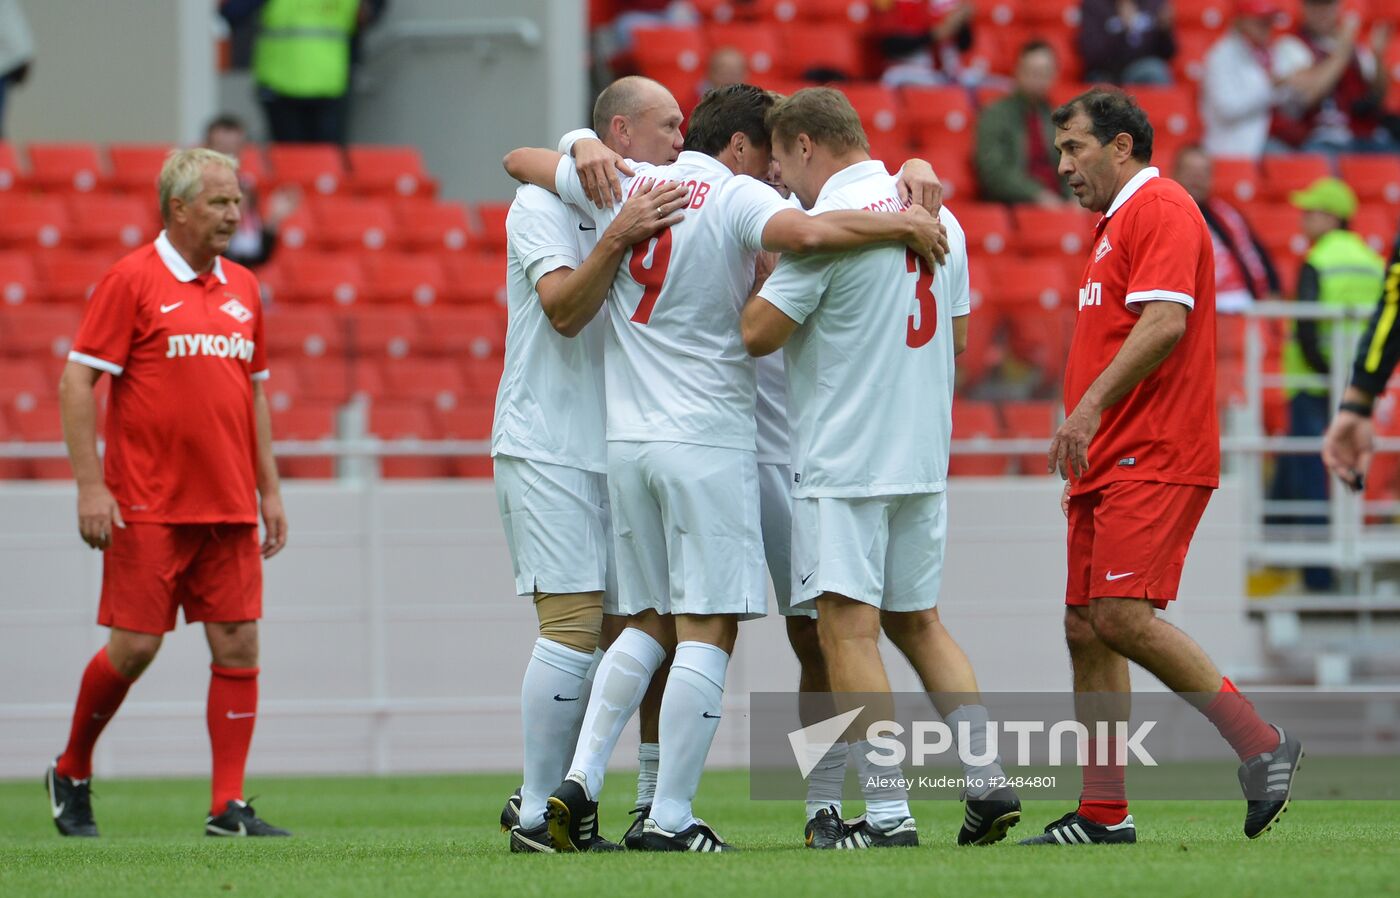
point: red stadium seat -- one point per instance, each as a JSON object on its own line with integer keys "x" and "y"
{"x": 939, "y": 117}
{"x": 136, "y": 167}
{"x": 1000, "y": 13}
{"x": 1375, "y": 178}
{"x": 1236, "y": 180}
{"x": 760, "y": 43}
{"x": 406, "y": 421}
{"x": 473, "y": 332}
{"x": 406, "y": 278}
{"x": 305, "y": 420}
{"x": 476, "y": 279}
{"x": 335, "y": 381}
{"x": 293, "y": 332}
{"x": 70, "y": 275}
{"x": 390, "y": 171}
{"x": 39, "y": 421}
{"x": 283, "y": 387}
{"x": 470, "y": 420}
{"x": 1052, "y": 232}
{"x": 991, "y": 52}
{"x": 383, "y": 332}
{"x": 1051, "y": 14}
{"x": 894, "y": 150}
{"x": 18, "y": 281}
{"x": 851, "y": 13}
{"x": 253, "y": 167}
{"x": 491, "y": 226}
{"x": 66, "y": 167}
{"x": 437, "y": 381}
{"x": 116, "y": 222}
{"x": 1036, "y": 299}
{"x": 25, "y": 382}
{"x": 878, "y": 108}
{"x": 12, "y": 177}
{"x": 955, "y": 171}
{"x": 987, "y": 226}
{"x": 1286, "y": 173}
{"x": 483, "y": 375}
{"x": 1210, "y": 15}
{"x": 1171, "y": 110}
{"x": 1190, "y": 61}
{"x": 315, "y": 167}
{"x": 1377, "y": 227}
{"x": 424, "y": 224}
{"x": 1030, "y": 420}
{"x": 38, "y": 330}
{"x": 329, "y": 278}
{"x": 822, "y": 51}
{"x": 975, "y": 421}
{"x": 32, "y": 222}
{"x": 350, "y": 223}
{"x": 1279, "y": 228}
{"x": 669, "y": 49}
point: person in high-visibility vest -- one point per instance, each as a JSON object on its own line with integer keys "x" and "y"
{"x": 1340, "y": 271}
{"x": 301, "y": 64}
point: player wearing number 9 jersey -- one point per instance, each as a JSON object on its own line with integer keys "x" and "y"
{"x": 682, "y": 472}
{"x": 870, "y": 340}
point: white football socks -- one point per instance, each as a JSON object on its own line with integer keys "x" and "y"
{"x": 551, "y": 708}
{"x": 981, "y": 767}
{"x": 618, "y": 687}
{"x": 690, "y": 713}
{"x": 892, "y": 807}
{"x": 827, "y": 777}
{"x": 585, "y": 692}
{"x": 648, "y": 760}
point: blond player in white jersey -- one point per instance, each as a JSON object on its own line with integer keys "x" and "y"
{"x": 870, "y": 337}
{"x": 682, "y": 469}
{"x": 548, "y": 440}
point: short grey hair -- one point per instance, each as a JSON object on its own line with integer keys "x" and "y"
{"x": 623, "y": 97}
{"x": 182, "y": 174}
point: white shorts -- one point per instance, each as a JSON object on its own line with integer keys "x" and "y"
{"x": 556, "y": 523}
{"x": 685, "y": 529}
{"x": 885, "y": 551}
{"x": 775, "y": 516}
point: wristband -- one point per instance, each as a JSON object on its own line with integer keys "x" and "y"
{"x": 1356, "y": 408}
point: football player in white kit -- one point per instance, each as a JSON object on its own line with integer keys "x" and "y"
{"x": 682, "y": 469}
{"x": 548, "y": 439}
{"x": 870, "y": 337}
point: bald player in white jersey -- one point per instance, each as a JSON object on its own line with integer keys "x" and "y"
{"x": 548, "y": 438}
{"x": 682, "y": 468}
{"x": 870, "y": 337}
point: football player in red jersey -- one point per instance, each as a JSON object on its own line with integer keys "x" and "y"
{"x": 174, "y": 505}
{"x": 1140, "y": 453}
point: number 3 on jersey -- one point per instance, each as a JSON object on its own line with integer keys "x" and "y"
{"x": 649, "y": 269}
{"x": 921, "y": 330}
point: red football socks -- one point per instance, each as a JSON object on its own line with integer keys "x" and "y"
{"x": 1105, "y": 796}
{"x": 1234, "y": 716}
{"x": 99, "y": 697}
{"x": 232, "y": 711}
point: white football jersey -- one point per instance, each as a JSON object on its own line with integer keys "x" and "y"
{"x": 676, "y": 366}
{"x": 550, "y": 404}
{"x": 770, "y": 412}
{"x": 870, "y": 370}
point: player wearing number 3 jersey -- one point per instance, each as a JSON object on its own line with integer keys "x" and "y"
{"x": 870, "y": 338}
{"x": 682, "y": 472}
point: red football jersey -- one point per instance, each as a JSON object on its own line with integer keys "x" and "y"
{"x": 1152, "y": 245}
{"x": 183, "y": 351}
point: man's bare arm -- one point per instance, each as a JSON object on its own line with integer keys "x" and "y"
{"x": 793, "y": 231}
{"x": 269, "y": 483}
{"x": 532, "y": 165}
{"x": 98, "y": 512}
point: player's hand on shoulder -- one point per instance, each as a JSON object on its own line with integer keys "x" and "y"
{"x": 98, "y": 513}
{"x": 274, "y": 517}
{"x": 648, "y": 213}
{"x": 918, "y": 185}
{"x": 929, "y": 238}
{"x": 763, "y": 267}
{"x": 598, "y": 169}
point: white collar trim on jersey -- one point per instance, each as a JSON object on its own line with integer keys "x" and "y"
{"x": 178, "y": 266}
{"x": 695, "y": 157}
{"x": 851, "y": 174}
{"x": 1130, "y": 188}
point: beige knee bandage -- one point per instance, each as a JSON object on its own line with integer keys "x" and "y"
{"x": 571, "y": 619}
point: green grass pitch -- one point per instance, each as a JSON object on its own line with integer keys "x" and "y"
{"x": 437, "y": 835}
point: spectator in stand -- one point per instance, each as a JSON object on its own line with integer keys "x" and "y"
{"x": 16, "y": 50}
{"x": 1243, "y": 271}
{"x": 1238, "y": 90}
{"x": 1127, "y": 41}
{"x": 1016, "y": 157}
{"x": 1338, "y": 86}
{"x": 922, "y": 41}
{"x": 1340, "y": 271}
{"x": 615, "y": 38}
{"x": 727, "y": 66}
{"x": 256, "y": 238}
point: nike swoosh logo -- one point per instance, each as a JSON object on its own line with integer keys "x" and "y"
{"x": 241, "y": 831}
{"x": 1112, "y": 576}
{"x": 171, "y": 308}
{"x": 233, "y": 716}
{"x": 56, "y": 808}
{"x": 560, "y": 698}
{"x": 707, "y": 714}
{"x": 582, "y": 228}
{"x": 806, "y": 578}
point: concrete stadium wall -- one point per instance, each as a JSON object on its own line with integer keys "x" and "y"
{"x": 392, "y": 641}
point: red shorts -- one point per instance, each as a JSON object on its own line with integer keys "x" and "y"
{"x": 213, "y": 571}
{"x": 1129, "y": 540}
